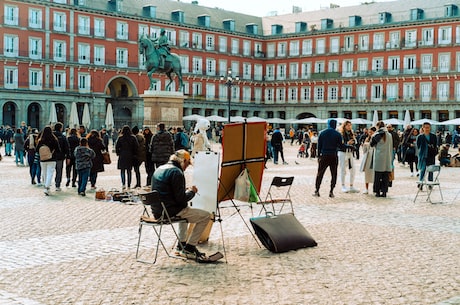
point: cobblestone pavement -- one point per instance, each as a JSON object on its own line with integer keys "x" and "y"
{"x": 65, "y": 249}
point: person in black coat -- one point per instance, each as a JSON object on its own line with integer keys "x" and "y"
{"x": 74, "y": 142}
{"x": 96, "y": 144}
{"x": 126, "y": 150}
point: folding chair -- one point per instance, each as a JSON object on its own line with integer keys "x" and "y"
{"x": 277, "y": 184}
{"x": 148, "y": 200}
{"x": 435, "y": 170}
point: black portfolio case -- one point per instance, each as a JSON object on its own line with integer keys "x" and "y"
{"x": 281, "y": 233}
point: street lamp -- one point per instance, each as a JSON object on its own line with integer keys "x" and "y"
{"x": 229, "y": 82}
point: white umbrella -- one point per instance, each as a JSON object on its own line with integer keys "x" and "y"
{"x": 375, "y": 119}
{"x": 192, "y": 117}
{"x": 451, "y": 122}
{"x": 393, "y": 121}
{"x": 74, "y": 122}
{"x": 237, "y": 119}
{"x": 276, "y": 121}
{"x": 53, "y": 114}
{"x": 216, "y": 118}
{"x": 255, "y": 119}
{"x": 109, "y": 122}
{"x": 310, "y": 120}
{"x": 407, "y": 118}
{"x": 360, "y": 121}
{"x": 86, "y": 120}
{"x": 421, "y": 121}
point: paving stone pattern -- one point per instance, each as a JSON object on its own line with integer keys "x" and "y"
{"x": 68, "y": 249}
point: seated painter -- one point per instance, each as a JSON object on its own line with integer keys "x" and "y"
{"x": 169, "y": 181}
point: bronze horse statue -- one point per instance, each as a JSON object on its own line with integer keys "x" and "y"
{"x": 152, "y": 61}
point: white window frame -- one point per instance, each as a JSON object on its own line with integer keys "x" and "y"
{"x": 122, "y": 57}
{"x": 35, "y": 79}
{"x": 246, "y": 48}
{"x": 394, "y": 65}
{"x": 99, "y": 55}
{"x": 223, "y": 44}
{"x": 347, "y": 93}
{"x": 235, "y": 46}
{"x": 410, "y": 64}
{"x": 378, "y": 41}
{"x": 445, "y": 35}
{"x": 320, "y": 46}
{"x": 59, "y": 81}
{"x": 269, "y": 96}
{"x": 60, "y": 22}
{"x": 270, "y": 72}
{"x": 84, "y": 53}
{"x": 122, "y": 30}
{"x": 307, "y": 47}
{"x": 35, "y": 48}
{"x": 99, "y": 27}
{"x": 211, "y": 67}
{"x": 84, "y": 82}
{"x": 306, "y": 70}
{"x": 305, "y": 95}
{"x": 281, "y": 95}
{"x": 319, "y": 94}
{"x": 427, "y": 63}
{"x": 364, "y": 42}
{"x": 185, "y": 64}
{"x": 334, "y": 45}
{"x": 293, "y": 94}
{"x": 333, "y": 66}
{"x": 444, "y": 63}
{"x": 35, "y": 18}
{"x": 270, "y": 50}
{"x": 11, "y": 45}
{"x": 210, "y": 42}
{"x": 443, "y": 91}
{"x": 258, "y": 72}
{"x": 333, "y": 94}
{"x": 210, "y": 91}
{"x": 281, "y": 71}
{"x": 83, "y": 25}
{"x": 197, "y": 40}
{"x": 408, "y": 91}
{"x": 392, "y": 92}
{"x": 11, "y": 77}
{"x": 410, "y": 40}
{"x": 294, "y": 48}
{"x": 377, "y": 92}
{"x": 425, "y": 91}
{"x": 59, "y": 44}
{"x": 282, "y": 49}
{"x": 184, "y": 39}
{"x": 294, "y": 71}
{"x": 320, "y": 66}
{"x": 197, "y": 65}
{"x": 427, "y": 36}
{"x": 247, "y": 71}
{"x": 361, "y": 93}
{"x": 349, "y": 43}
{"x": 11, "y": 15}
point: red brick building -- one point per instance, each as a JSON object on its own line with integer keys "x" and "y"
{"x": 338, "y": 62}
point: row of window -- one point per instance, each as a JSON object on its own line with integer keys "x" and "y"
{"x": 391, "y": 65}
{"x": 317, "y": 93}
{"x": 333, "y": 45}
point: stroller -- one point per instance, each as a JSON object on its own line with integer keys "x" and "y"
{"x": 302, "y": 153}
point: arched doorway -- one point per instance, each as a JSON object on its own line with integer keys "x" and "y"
{"x": 9, "y": 114}
{"x": 33, "y": 115}
{"x": 61, "y": 113}
{"x": 125, "y": 102}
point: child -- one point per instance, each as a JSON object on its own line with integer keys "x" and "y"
{"x": 83, "y": 161}
{"x": 301, "y": 152}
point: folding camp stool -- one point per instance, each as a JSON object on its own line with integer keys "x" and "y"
{"x": 148, "y": 200}
{"x": 435, "y": 170}
{"x": 278, "y": 185}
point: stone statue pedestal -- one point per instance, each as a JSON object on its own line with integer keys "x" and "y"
{"x": 163, "y": 106}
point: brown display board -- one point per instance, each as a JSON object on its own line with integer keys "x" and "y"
{"x": 243, "y": 145}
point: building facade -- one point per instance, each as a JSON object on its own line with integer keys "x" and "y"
{"x": 340, "y": 62}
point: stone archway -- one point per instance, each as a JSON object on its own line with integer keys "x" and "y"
{"x": 128, "y": 107}
{"x": 9, "y": 114}
{"x": 33, "y": 115}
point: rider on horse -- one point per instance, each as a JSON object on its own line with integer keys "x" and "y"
{"x": 163, "y": 47}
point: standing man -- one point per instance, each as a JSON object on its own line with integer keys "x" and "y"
{"x": 61, "y": 155}
{"x": 427, "y": 151}
{"x": 161, "y": 146}
{"x": 277, "y": 144}
{"x": 169, "y": 181}
{"x": 329, "y": 142}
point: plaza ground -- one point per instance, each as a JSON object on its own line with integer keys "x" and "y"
{"x": 68, "y": 249}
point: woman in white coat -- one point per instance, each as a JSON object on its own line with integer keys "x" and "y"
{"x": 383, "y": 159}
{"x": 367, "y": 163}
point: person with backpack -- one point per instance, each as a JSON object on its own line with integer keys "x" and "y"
{"x": 48, "y": 147}
{"x": 84, "y": 161}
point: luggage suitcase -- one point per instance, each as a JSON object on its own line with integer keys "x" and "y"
{"x": 281, "y": 233}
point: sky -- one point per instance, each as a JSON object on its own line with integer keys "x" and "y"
{"x": 264, "y": 7}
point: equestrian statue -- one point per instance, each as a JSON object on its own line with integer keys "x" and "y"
{"x": 158, "y": 58}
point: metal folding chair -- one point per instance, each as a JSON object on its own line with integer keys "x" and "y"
{"x": 278, "y": 192}
{"x": 148, "y": 200}
{"x": 434, "y": 170}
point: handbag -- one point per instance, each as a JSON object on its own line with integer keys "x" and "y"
{"x": 106, "y": 157}
{"x": 100, "y": 194}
